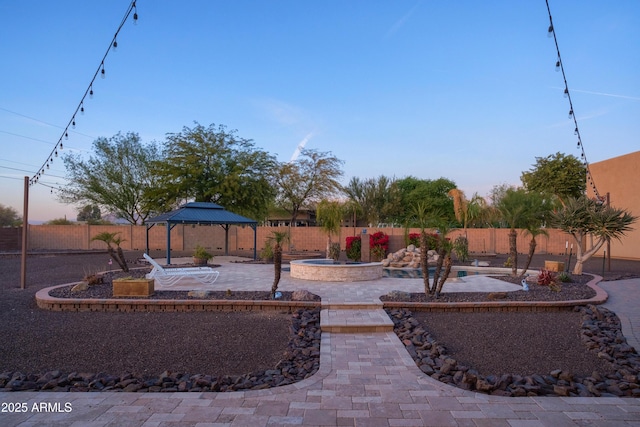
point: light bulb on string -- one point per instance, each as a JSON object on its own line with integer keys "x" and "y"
{"x": 102, "y": 73}
{"x": 66, "y": 135}
{"x": 82, "y": 108}
{"x": 56, "y": 153}
{"x": 558, "y": 65}
{"x": 73, "y": 123}
{"x": 115, "y": 45}
{"x": 575, "y": 132}
{"x": 60, "y": 145}
{"x": 566, "y": 92}
{"x": 91, "y": 91}
{"x": 550, "y": 31}
{"x": 571, "y": 113}
{"x": 578, "y": 144}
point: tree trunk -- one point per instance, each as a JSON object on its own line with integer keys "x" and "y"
{"x": 513, "y": 251}
{"x": 122, "y": 260}
{"x": 582, "y": 257}
{"x": 438, "y": 270}
{"x": 424, "y": 262}
{"x": 116, "y": 257}
{"x": 277, "y": 266}
{"x": 532, "y": 250}
{"x": 328, "y": 245}
{"x": 445, "y": 275}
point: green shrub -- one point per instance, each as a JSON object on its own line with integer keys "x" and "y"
{"x": 564, "y": 277}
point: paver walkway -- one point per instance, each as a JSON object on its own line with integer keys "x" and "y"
{"x": 366, "y": 378}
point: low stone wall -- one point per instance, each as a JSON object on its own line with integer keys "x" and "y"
{"x": 330, "y": 272}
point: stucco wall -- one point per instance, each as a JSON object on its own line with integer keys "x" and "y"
{"x": 620, "y": 177}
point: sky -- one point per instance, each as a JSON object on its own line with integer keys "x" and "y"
{"x": 464, "y": 90}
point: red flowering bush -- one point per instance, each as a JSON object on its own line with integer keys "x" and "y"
{"x": 414, "y": 239}
{"x": 379, "y": 244}
{"x": 354, "y": 248}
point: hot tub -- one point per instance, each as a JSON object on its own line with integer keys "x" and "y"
{"x": 327, "y": 270}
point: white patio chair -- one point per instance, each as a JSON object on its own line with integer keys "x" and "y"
{"x": 171, "y": 276}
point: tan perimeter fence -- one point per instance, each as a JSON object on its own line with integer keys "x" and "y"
{"x": 303, "y": 239}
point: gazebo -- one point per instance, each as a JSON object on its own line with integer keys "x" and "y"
{"x": 201, "y": 213}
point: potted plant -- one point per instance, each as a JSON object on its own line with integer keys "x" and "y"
{"x": 201, "y": 256}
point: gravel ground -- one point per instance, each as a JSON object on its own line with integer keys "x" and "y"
{"x": 35, "y": 340}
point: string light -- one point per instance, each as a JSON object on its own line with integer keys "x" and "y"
{"x": 551, "y": 32}
{"x": 89, "y": 92}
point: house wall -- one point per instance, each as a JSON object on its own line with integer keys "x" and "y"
{"x": 620, "y": 177}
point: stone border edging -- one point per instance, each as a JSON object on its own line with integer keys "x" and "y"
{"x": 600, "y": 298}
{"x": 47, "y": 302}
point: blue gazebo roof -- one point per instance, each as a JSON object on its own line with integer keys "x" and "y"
{"x": 201, "y": 213}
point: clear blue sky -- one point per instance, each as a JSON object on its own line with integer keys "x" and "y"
{"x": 465, "y": 90}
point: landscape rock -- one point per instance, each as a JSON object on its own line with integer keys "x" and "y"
{"x": 82, "y": 286}
{"x": 302, "y": 295}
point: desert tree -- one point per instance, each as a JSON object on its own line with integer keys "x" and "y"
{"x": 302, "y": 183}
{"x": 377, "y": 199}
{"x": 9, "y": 217}
{"x": 581, "y": 217}
{"x": 213, "y": 164}
{"x": 116, "y": 177}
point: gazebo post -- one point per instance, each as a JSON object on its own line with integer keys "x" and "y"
{"x": 168, "y": 243}
{"x": 226, "y": 239}
{"x": 255, "y": 241}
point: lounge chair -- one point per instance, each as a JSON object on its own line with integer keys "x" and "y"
{"x": 171, "y": 276}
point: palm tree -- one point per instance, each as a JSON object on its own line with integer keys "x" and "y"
{"x": 422, "y": 220}
{"x": 277, "y": 238}
{"x": 537, "y": 210}
{"x": 513, "y": 209}
{"x": 330, "y": 214}
{"x": 444, "y": 257}
{"x": 116, "y": 253}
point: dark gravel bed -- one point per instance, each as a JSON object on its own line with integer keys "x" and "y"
{"x": 572, "y": 353}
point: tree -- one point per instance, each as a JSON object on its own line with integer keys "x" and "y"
{"x": 557, "y": 174}
{"x": 378, "y": 199}
{"x": 115, "y": 252}
{"x": 211, "y": 164}
{"x": 330, "y": 213}
{"x": 277, "y": 239}
{"x": 582, "y": 216}
{"x": 467, "y": 211}
{"x": 116, "y": 177}
{"x": 537, "y": 212}
{"x": 311, "y": 177}
{"x": 434, "y": 193}
{"x": 89, "y": 213}
{"x": 9, "y": 217}
{"x": 513, "y": 209}
{"x": 422, "y": 217}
